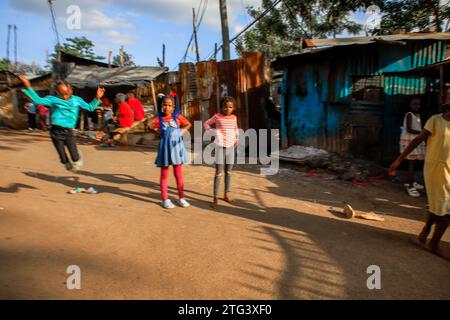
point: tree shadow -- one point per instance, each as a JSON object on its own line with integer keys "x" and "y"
{"x": 380, "y": 196}
{"x": 120, "y": 178}
{"x": 328, "y": 258}
{"x": 15, "y": 187}
{"x": 73, "y": 182}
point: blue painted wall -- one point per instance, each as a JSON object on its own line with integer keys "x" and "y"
{"x": 317, "y": 95}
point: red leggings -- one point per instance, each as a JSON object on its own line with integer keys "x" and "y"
{"x": 165, "y": 179}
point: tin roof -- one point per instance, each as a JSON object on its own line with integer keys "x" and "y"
{"x": 314, "y": 43}
{"x": 83, "y": 76}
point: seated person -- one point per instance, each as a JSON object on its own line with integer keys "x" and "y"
{"x": 137, "y": 107}
{"x": 123, "y": 119}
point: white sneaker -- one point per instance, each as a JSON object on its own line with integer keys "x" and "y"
{"x": 182, "y": 202}
{"x": 413, "y": 192}
{"x": 167, "y": 204}
{"x": 77, "y": 165}
{"x": 418, "y": 186}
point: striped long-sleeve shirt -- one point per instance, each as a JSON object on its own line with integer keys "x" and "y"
{"x": 226, "y": 129}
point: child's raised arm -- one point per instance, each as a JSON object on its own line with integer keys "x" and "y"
{"x": 32, "y": 94}
{"x": 424, "y": 134}
{"x": 94, "y": 103}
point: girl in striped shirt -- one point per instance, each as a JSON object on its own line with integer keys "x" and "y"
{"x": 226, "y": 140}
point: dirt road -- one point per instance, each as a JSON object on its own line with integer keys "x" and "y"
{"x": 284, "y": 237}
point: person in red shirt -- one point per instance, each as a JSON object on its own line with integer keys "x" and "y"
{"x": 123, "y": 119}
{"x": 125, "y": 115}
{"x": 137, "y": 107}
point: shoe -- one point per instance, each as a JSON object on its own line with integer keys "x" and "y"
{"x": 69, "y": 166}
{"x": 167, "y": 204}
{"x": 183, "y": 203}
{"x": 77, "y": 165}
{"x": 413, "y": 192}
{"x": 91, "y": 190}
{"x": 418, "y": 186}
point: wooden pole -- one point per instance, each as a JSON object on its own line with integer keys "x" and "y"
{"x": 215, "y": 51}
{"x": 154, "y": 96}
{"x": 194, "y": 23}
{"x": 109, "y": 59}
{"x": 442, "y": 94}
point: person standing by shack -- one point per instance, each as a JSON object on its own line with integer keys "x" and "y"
{"x": 31, "y": 110}
{"x": 412, "y": 126}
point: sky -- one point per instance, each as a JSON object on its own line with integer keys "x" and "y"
{"x": 141, "y": 26}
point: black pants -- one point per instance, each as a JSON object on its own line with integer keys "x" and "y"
{"x": 32, "y": 120}
{"x": 61, "y": 138}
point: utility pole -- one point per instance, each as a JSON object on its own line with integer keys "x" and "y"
{"x": 50, "y": 4}
{"x": 7, "y": 42}
{"x": 215, "y": 51}
{"x": 225, "y": 32}
{"x": 15, "y": 46}
{"x": 164, "y": 55}
{"x": 194, "y": 22}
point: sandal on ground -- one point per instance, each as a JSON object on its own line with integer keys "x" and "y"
{"x": 76, "y": 190}
{"x": 91, "y": 190}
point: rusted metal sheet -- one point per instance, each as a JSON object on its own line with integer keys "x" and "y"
{"x": 206, "y": 76}
{"x": 203, "y": 85}
{"x": 230, "y": 74}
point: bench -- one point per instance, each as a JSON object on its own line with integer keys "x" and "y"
{"x": 121, "y": 134}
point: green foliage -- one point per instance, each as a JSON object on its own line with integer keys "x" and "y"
{"x": 79, "y": 47}
{"x": 3, "y": 64}
{"x": 281, "y": 31}
{"x": 413, "y": 15}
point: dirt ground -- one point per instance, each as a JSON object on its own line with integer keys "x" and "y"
{"x": 284, "y": 238}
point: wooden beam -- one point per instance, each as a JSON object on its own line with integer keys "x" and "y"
{"x": 154, "y": 96}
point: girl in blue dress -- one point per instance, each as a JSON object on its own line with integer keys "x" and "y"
{"x": 171, "y": 151}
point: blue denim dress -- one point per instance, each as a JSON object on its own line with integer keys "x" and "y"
{"x": 171, "y": 150}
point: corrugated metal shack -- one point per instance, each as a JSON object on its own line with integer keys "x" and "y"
{"x": 350, "y": 95}
{"x": 201, "y": 86}
{"x": 86, "y": 75}
{"x": 12, "y": 100}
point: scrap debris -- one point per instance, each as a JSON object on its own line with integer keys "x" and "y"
{"x": 350, "y": 213}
